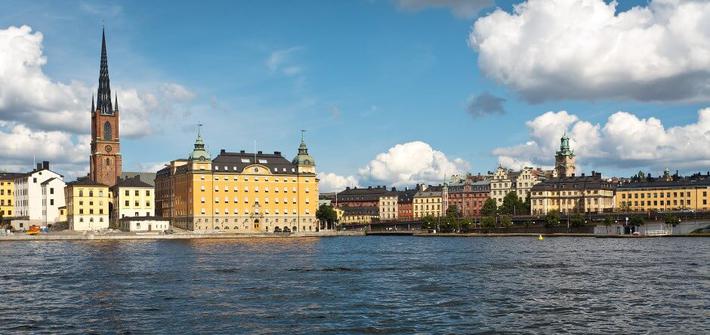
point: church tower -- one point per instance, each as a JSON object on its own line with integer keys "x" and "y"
{"x": 564, "y": 159}
{"x": 304, "y": 161}
{"x": 105, "y": 158}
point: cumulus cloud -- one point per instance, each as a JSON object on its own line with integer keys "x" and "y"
{"x": 624, "y": 141}
{"x": 30, "y": 97}
{"x": 402, "y": 165}
{"x": 49, "y": 120}
{"x": 410, "y": 163}
{"x": 331, "y": 182}
{"x": 585, "y": 49}
{"x": 460, "y": 8}
{"x": 485, "y": 104}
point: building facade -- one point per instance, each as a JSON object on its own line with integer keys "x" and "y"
{"x": 428, "y": 201}
{"x": 132, "y": 198}
{"x": 469, "y": 197}
{"x": 239, "y": 191}
{"x": 7, "y": 194}
{"x": 87, "y": 205}
{"x": 38, "y": 196}
{"x": 363, "y": 202}
{"x": 105, "y": 160}
{"x": 660, "y": 195}
{"x": 405, "y": 207}
{"x": 582, "y": 194}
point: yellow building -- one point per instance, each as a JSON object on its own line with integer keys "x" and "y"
{"x": 584, "y": 194}
{"x": 132, "y": 198}
{"x": 659, "y": 195}
{"x": 7, "y": 193}
{"x": 239, "y": 191}
{"x": 428, "y": 201}
{"x": 87, "y": 205}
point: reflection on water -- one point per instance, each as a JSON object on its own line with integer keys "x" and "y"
{"x": 357, "y": 285}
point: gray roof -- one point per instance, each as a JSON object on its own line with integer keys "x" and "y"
{"x": 237, "y": 161}
{"x": 666, "y": 184}
{"x": 132, "y": 182}
{"x": 146, "y": 177}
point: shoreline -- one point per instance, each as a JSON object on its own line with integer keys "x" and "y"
{"x": 227, "y": 236}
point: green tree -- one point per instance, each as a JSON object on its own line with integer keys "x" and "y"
{"x": 670, "y": 219}
{"x": 512, "y": 205}
{"x": 506, "y": 221}
{"x": 552, "y": 219}
{"x": 489, "y": 207}
{"x": 464, "y": 225}
{"x": 327, "y": 214}
{"x": 527, "y": 205}
{"x": 453, "y": 211}
{"x": 428, "y": 222}
{"x": 636, "y": 220}
{"x": 576, "y": 220}
{"x": 488, "y": 222}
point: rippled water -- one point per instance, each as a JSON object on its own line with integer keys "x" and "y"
{"x": 357, "y": 285}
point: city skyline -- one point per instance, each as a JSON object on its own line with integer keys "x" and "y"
{"x": 436, "y": 103}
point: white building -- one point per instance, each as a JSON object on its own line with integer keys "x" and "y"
{"x": 38, "y": 196}
{"x": 143, "y": 224}
{"x": 132, "y": 197}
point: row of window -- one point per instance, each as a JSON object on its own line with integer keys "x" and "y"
{"x": 136, "y": 193}
{"x": 256, "y": 189}
{"x": 256, "y": 178}
{"x": 659, "y": 195}
{"x": 426, "y": 200}
{"x": 256, "y": 200}
{"x": 426, "y": 207}
{"x": 659, "y": 203}
{"x": 127, "y": 203}
{"x": 256, "y": 211}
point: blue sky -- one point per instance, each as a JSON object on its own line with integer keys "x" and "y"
{"x": 360, "y": 76}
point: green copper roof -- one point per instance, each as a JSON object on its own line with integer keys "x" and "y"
{"x": 199, "y": 152}
{"x": 303, "y": 158}
{"x": 564, "y": 146}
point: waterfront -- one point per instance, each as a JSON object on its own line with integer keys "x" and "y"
{"x": 356, "y": 285}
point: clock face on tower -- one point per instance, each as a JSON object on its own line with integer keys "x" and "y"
{"x": 108, "y": 148}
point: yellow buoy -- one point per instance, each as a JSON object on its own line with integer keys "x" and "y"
{"x": 540, "y": 238}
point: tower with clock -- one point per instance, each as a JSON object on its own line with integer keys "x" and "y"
{"x": 105, "y": 161}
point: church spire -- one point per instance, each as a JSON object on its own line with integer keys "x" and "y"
{"x": 115, "y": 106}
{"x": 103, "y": 98}
{"x": 93, "y": 107}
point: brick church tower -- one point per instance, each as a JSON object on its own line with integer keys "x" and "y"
{"x": 105, "y": 147}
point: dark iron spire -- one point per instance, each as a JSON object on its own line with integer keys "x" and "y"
{"x": 103, "y": 98}
{"x": 115, "y": 105}
{"x": 93, "y": 107}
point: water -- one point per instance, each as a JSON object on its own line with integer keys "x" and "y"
{"x": 357, "y": 285}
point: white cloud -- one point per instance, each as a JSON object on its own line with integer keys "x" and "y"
{"x": 624, "y": 141}
{"x": 402, "y": 165}
{"x": 50, "y": 120}
{"x": 331, "y": 182}
{"x": 410, "y": 163}
{"x": 30, "y": 97}
{"x": 584, "y": 49}
{"x": 460, "y": 8}
{"x": 281, "y": 61}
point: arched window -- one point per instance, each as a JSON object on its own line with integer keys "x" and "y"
{"x": 107, "y": 131}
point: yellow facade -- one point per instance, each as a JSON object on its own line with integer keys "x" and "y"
{"x": 7, "y": 196}
{"x": 239, "y": 193}
{"x": 583, "y": 194}
{"x": 663, "y": 196}
{"x": 427, "y": 203}
{"x": 87, "y": 205}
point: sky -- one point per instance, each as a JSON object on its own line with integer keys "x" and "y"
{"x": 391, "y": 92}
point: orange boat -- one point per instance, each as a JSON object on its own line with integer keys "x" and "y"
{"x": 34, "y": 230}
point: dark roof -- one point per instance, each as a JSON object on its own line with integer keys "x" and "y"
{"x": 237, "y": 161}
{"x": 10, "y": 175}
{"x": 365, "y": 194}
{"x": 85, "y": 182}
{"x": 406, "y": 196}
{"x": 666, "y": 184}
{"x": 144, "y": 218}
{"x": 48, "y": 181}
{"x": 146, "y": 177}
{"x": 594, "y": 181}
{"x": 370, "y": 210}
{"x": 131, "y": 182}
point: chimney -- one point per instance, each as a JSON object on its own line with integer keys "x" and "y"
{"x": 39, "y": 167}
{"x": 45, "y": 165}
{"x": 241, "y": 151}
{"x": 222, "y": 151}
{"x": 278, "y": 153}
{"x": 258, "y": 152}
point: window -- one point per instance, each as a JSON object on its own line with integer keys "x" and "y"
{"x": 137, "y": 193}
{"x": 107, "y": 131}
{"x": 127, "y": 203}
